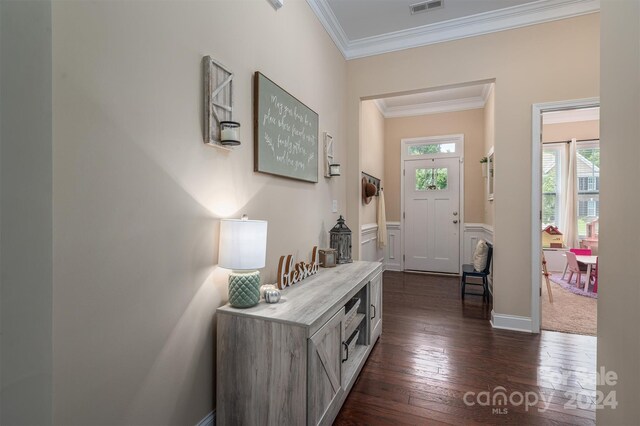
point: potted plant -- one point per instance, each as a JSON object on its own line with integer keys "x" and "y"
{"x": 483, "y": 162}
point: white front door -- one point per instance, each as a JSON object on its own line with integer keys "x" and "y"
{"x": 432, "y": 216}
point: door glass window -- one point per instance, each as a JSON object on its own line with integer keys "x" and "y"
{"x": 432, "y": 148}
{"x": 431, "y": 179}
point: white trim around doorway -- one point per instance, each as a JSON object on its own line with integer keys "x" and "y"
{"x": 536, "y": 191}
{"x": 458, "y": 139}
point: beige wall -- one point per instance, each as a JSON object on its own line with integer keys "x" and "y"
{"x": 470, "y": 123}
{"x": 529, "y": 66}
{"x": 373, "y": 154}
{"x": 138, "y": 196}
{"x": 489, "y": 141}
{"x": 619, "y": 293}
{"x": 560, "y": 132}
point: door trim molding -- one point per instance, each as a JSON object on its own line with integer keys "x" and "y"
{"x": 536, "y": 194}
{"x": 459, "y": 154}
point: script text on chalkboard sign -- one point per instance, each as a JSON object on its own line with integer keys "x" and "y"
{"x": 285, "y": 133}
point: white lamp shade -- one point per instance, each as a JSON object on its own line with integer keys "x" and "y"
{"x": 243, "y": 244}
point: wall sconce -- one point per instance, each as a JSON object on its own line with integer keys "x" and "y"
{"x": 331, "y": 167}
{"x": 220, "y": 129}
{"x": 277, "y": 4}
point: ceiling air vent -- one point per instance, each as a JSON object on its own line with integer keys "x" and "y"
{"x": 425, "y": 6}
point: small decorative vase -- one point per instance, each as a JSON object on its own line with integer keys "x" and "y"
{"x": 244, "y": 289}
{"x": 272, "y": 295}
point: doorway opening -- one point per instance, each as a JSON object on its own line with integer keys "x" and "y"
{"x": 565, "y": 213}
{"x": 432, "y": 205}
{"x": 429, "y": 150}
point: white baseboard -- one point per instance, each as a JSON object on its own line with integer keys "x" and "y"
{"x": 511, "y": 322}
{"x": 209, "y": 420}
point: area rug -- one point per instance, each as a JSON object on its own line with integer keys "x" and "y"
{"x": 556, "y": 277}
{"x": 569, "y": 312}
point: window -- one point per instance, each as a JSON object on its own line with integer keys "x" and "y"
{"x": 588, "y": 185}
{"x": 552, "y": 156}
{"x": 583, "y": 208}
{"x": 588, "y": 168}
{"x": 431, "y": 179}
{"x": 432, "y": 148}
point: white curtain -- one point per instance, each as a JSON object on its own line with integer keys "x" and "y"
{"x": 569, "y": 224}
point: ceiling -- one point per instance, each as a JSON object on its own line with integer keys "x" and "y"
{"x": 436, "y": 101}
{"x": 370, "y": 27}
{"x": 367, "y": 18}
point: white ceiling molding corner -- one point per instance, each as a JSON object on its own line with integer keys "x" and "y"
{"x": 382, "y": 106}
{"x": 486, "y": 91}
{"x": 330, "y": 23}
{"x": 483, "y": 23}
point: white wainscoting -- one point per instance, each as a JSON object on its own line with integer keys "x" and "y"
{"x": 369, "y": 244}
{"x": 393, "y": 250}
{"x": 473, "y": 232}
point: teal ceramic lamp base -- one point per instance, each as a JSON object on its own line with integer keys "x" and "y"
{"x": 244, "y": 289}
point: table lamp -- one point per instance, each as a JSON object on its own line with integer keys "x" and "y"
{"x": 243, "y": 247}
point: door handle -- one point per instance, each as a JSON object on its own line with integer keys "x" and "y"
{"x": 455, "y": 221}
{"x": 374, "y": 310}
{"x": 347, "y": 348}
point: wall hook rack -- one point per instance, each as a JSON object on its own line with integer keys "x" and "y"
{"x": 375, "y": 181}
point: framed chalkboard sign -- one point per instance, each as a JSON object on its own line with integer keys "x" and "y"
{"x": 285, "y": 133}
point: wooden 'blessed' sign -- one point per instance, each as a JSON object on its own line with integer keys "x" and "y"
{"x": 285, "y": 133}
{"x": 290, "y": 273}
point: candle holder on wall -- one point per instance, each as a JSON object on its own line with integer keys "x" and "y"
{"x": 331, "y": 168}
{"x": 229, "y": 133}
{"x": 219, "y": 128}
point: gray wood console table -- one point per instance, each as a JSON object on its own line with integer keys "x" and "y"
{"x": 294, "y": 362}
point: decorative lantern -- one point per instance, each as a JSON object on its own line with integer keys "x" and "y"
{"x": 340, "y": 239}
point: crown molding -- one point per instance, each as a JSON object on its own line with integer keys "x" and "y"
{"x": 523, "y": 15}
{"x": 486, "y": 91}
{"x": 330, "y": 23}
{"x": 430, "y": 107}
{"x": 572, "y": 116}
{"x": 382, "y": 106}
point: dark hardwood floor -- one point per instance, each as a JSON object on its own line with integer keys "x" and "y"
{"x": 435, "y": 349}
